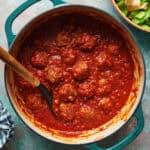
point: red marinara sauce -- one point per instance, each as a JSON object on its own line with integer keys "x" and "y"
{"x": 88, "y": 66}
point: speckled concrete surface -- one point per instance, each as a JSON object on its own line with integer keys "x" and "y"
{"x": 24, "y": 138}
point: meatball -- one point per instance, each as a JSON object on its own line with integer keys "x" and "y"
{"x": 103, "y": 61}
{"x": 63, "y": 39}
{"x": 69, "y": 56}
{"x": 39, "y": 60}
{"x": 85, "y": 41}
{"x": 105, "y": 103}
{"x": 53, "y": 74}
{"x": 87, "y": 112}
{"x": 68, "y": 93}
{"x": 34, "y": 101}
{"x": 55, "y": 59}
{"x": 67, "y": 111}
{"x": 104, "y": 87}
{"x": 114, "y": 48}
{"x": 80, "y": 70}
{"x": 86, "y": 90}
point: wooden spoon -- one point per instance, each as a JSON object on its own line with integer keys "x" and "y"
{"x": 22, "y": 71}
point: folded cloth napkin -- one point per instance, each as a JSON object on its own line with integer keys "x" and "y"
{"x": 6, "y": 126}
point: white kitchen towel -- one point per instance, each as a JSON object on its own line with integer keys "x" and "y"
{"x": 6, "y": 125}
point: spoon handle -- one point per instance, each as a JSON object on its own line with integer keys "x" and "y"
{"x": 19, "y": 68}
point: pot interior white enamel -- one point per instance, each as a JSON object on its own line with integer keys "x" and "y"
{"x": 115, "y": 123}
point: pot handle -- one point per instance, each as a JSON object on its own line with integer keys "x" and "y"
{"x": 129, "y": 138}
{"x": 8, "y": 25}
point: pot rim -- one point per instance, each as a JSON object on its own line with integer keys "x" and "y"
{"x": 129, "y": 116}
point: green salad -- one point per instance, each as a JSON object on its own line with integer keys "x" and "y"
{"x": 138, "y": 11}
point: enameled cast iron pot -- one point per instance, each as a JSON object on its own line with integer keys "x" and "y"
{"x": 121, "y": 118}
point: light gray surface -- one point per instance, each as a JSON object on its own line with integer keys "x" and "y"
{"x": 24, "y": 138}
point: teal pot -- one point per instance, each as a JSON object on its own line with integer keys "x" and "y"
{"x": 100, "y": 132}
